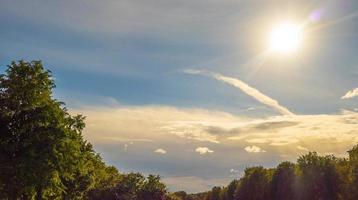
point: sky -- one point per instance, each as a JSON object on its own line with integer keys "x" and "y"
{"x": 189, "y": 89}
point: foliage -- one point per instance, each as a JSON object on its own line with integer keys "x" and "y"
{"x": 42, "y": 151}
{"x": 319, "y": 177}
{"x": 255, "y": 184}
{"x": 352, "y": 186}
{"x": 41, "y": 144}
{"x": 132, "y": 186}
{"x": 283, "y": 182}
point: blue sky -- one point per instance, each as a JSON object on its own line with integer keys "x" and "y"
{"x": 122, "y": 63}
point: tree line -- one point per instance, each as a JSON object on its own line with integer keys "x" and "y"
{"x": 43, "y": 155}
{"x": 313, "y": 177}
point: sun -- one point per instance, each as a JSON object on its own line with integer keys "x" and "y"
{"x": 285, "y": 38}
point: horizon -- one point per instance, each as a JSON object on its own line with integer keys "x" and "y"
{"x": 197, "y": 91}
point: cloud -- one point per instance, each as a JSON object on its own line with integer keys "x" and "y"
{"x": 203, "y": 150}
{"x": 234, "y": 171}
{"x": 302, "y": 148}
{"x": 181, "y": 131}
{"x": 150, "y": 124}
{"x": 254, "y": 149}
{"x": 350, "y": 94}
{"x": 160, "y": 151}
{"x": 131, "y": 140}
{"x": 147, "y": 124}
{"x": 256, "y": 94}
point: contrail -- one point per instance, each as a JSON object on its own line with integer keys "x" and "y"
{"x": 256, "y": 94}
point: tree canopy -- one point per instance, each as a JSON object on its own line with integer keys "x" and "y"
{"x": 43, "y": 154}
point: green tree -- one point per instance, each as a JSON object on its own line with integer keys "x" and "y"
{"x": 152, "y": 189}
{"x": 182, "y": 195}
{"x": 255, "y": 185}
{"x": 132, "y": 186}
{"x": 345, "y": 173}
{"x": 128, "y": 187}
{"x": 41, "y": 145}
{"x": 319, "y": 177}
{"x": 352, "y": 190}
{"x": 283, "y": 182}
{"x": 214, "y": 194}
{"x": 231, "y": 189}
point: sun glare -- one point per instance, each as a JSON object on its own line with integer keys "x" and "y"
{"x": 285, "y": 38}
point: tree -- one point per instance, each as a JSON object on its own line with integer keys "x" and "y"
{"x": 152, "y": 189}
{"x": 231, "y": 189}
{"x": 182, "y": 195}
{"x": 214, "y": 194}
{"x": 283, "y": 182}
{"x": 319, "y": 177}
{"x": 128, "y": 187}
{"x": 42, "y": 152}
{"x": 353, "y": 165}
{"x": 41, "y": 144}
{"x": 255, "y": 185}
{"x": 344, "y": 171}
{"x": 132, "y": 186}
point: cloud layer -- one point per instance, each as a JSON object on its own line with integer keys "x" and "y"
{"x": 233, "y": 142}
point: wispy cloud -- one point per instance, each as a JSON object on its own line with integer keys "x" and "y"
{"x": 253, "y": 92}
{"x": 254, "y": 149}
{"x": 203, "y": 150}
{"x": 350, "y": 94}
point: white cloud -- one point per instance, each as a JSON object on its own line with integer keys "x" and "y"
{"x": 253, "y": 92}
{"x": 350, "y": 94}
{"x": 254, "y": 149}
{"x": 160, "y": 151}
{"x": 203, "y": 150}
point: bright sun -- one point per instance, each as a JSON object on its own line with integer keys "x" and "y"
{"x": 285, "y": 38}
